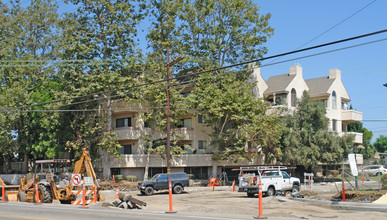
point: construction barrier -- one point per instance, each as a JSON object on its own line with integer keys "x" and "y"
{"x": 36, "y": 194}
{"x": 117, "y": 190}
{"x": 213, "y": 182}
{"x": 95, "y": 193}
{"x": 308, "y": 180}
{"x": 84, "y": 192}
{"x": 3, "y": 192}
{"x": 260, "y": 199}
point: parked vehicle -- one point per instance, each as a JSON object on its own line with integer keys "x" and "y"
{"x": 375, "y": 169}
{"x": 273, "y": 179}
{"x": 160, "y": 182}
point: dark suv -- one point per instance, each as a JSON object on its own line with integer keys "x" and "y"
{"x": 160, "y": 182}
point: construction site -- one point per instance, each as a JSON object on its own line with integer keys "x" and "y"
{"x": 50, "y": 186}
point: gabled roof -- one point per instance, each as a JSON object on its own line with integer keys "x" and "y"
{"x": 278, "y": 83}
{"x": 319, "y": 86}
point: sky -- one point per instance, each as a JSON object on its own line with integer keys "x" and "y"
{"x": 363, "y": 69}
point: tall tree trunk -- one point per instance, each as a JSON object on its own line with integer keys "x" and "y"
{"x": 146, "y": 167}
{"x": 105, "y": 153}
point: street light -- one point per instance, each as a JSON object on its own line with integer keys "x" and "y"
{"x": 385, "y": 84}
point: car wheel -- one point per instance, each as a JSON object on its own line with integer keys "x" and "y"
{"x": 177, "y": 189}
{"x": 251, "y": 195}
{"x": 295, "y": 189}
{"x": 149, "y": 191}
{"x": 270, "y": 191}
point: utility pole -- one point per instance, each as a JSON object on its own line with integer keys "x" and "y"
{"x": 169, "y": 64}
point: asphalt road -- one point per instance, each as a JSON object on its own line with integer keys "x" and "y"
{"x": 30, "y": 211}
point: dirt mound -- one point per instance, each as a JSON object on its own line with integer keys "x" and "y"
{"x": 123, "y": 185}
{"x": 358, "y": 196}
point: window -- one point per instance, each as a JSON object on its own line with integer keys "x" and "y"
{"x": 334, "y": 101}
{"x": 202, "y": 144}
{"x": 125, "y": 149}
{"x": 325, "y": 102}
{"x": 123, "y": 122}
{"x": 334, "y": 124}
{"x": 293, "y": 98}
{"x": 200, "y": 119}
{"x": 185, "y": 123}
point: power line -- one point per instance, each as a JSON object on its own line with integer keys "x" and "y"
{"x": 358, "y": 11}
{"x": 212, "y": 70}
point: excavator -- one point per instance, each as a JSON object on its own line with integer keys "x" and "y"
{"x": 54, "y": 182}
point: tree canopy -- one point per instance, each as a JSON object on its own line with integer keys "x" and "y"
{"x": 306, "y": 139}
{"x": 381, "y": 144}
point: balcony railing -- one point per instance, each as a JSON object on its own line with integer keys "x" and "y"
{"x": 183, "y": 133}
{"x": 128, "y": 133}
{"x": 351, "y": 116}
{"x": 358, "y": 137}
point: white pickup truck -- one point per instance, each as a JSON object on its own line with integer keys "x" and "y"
{"x": 273, "y": 179}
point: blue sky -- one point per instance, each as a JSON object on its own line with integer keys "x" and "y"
{"x": 363, "y": 69}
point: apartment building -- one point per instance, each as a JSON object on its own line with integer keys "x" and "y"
{"x": 280, "y": 90}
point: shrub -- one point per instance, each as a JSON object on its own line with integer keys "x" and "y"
{"x": 119, "y": 178}
{"x": 334, "y": 172}
{"x": 131, "y": 178}
{"x": 346, "y": 170}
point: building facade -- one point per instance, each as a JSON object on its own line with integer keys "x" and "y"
{"x": 281, "y": 90}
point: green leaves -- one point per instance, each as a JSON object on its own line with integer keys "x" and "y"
{"x": 306, "y": 140}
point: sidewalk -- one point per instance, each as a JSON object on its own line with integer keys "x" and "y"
{"x": 381, "y": 200}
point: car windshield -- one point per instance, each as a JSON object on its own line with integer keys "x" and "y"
{"x": 155, "y": 177}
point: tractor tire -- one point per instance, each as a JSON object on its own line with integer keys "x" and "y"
{"x": 251, "y": 195}
{"x": 270, "y": 191}
{"x": 44, "y": 194}
{"x": 22, "y": 197}
{"x": 177, "y": 189}
{"x": 149, "y": 191}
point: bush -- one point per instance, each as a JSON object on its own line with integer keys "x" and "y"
{"x": 346, "y": 170}
{"x": 119, "y": 178}
{"x": 131, "y": 178}
{"x": 334, "y": 172}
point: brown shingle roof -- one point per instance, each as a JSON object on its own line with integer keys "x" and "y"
{"x": 278, "y": 83}
{"x": 319, "y": 86}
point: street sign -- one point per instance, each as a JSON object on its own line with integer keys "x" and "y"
{"x": 88, "y": 181}
{"x": 352, "y": 164}
{"x": 76, "y": 179}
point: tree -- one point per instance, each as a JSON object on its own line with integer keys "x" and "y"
{"x": 381, "y": 144}
{"x": 100, "y": 38}
{"x": 368, "y": 150}
{"x": 240, "y": 127}
{"x": 306, "y": 140}
{"x": 29, "y": 40}
{"x": 209, "y": 32}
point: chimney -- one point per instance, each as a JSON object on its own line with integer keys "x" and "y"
{"x": 335, "y": 74}
{"x": 295, "y": 70}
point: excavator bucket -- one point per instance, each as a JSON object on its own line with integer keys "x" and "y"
{"x": 11, "y": 195}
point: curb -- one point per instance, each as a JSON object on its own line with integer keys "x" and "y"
{"x": 347, "y": 205}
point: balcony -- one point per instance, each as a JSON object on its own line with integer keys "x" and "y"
{"x": 358, "y": 137}
{"x": 183, "y": 133}
{"x": 351, "y": 116}
{"x": 128, "y": 133}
